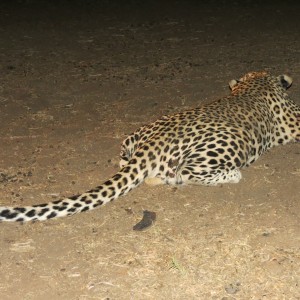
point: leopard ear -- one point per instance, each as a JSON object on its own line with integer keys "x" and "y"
{"x": 285, "y": 81}
{"x": 232, "y": 83}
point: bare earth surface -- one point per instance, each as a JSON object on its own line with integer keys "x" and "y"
{"x": 75, "y": 80}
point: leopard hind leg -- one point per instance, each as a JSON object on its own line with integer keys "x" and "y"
{"x": 194, "y": 174}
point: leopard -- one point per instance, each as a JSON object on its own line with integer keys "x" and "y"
{"x": 208, "y": 145}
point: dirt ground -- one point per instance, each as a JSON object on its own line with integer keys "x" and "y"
{"x": 75, "y": 80}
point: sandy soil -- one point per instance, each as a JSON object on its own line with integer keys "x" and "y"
{"x": 75, "y": 80}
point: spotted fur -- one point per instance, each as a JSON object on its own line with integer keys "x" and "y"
{"x": 207, "y": 145}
